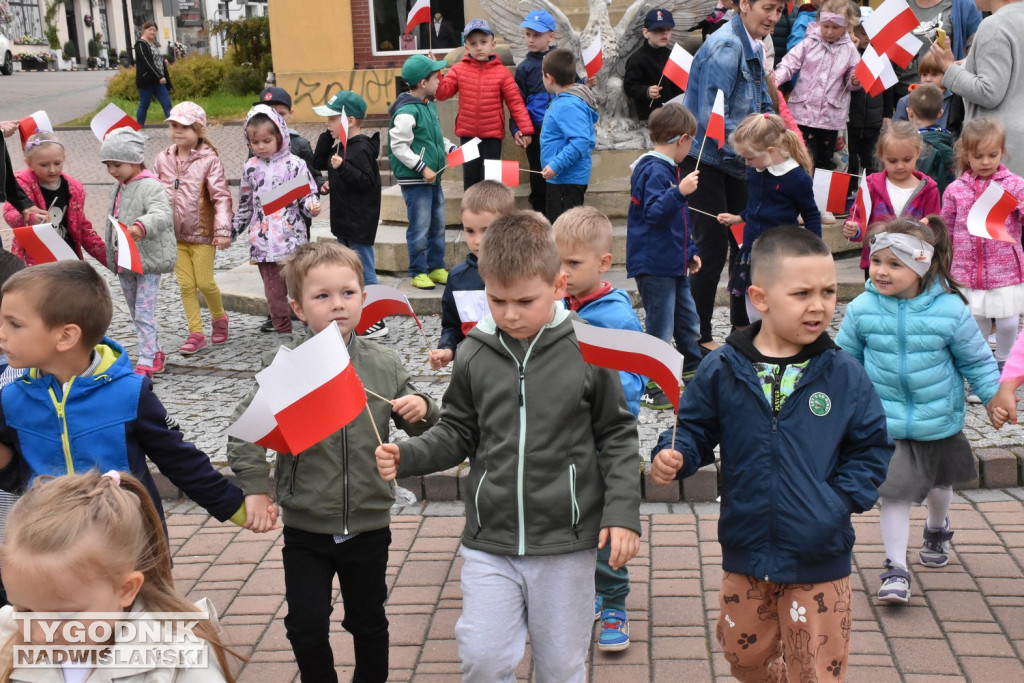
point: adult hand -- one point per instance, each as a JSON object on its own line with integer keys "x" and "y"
{"x": 163, "y": 81}
{"x": 943, "y": 56}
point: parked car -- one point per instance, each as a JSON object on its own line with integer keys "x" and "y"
{"x": 7, "y": 65}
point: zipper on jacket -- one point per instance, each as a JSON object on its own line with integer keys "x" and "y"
{"x": 773, "y": 519}
{"x": 295, "y": 464}
{"x": 65, "y": 440}
{"x": 901, "y": 318}
{"x": 476, "y": 504}
{"x": 574, "y": 508}
{"x": 344, "y": 478}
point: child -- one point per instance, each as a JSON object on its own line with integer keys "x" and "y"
{"x": 280, "y": 101}
{"x": 336, "y": 508}
{"x": 272, "y": 238}
{"x": 1004, "y": 404}
{"x": 924, "y": 106}
{"x": 660, "y": 250}
{"x": 584, "y": 238}
{"x": 94, "y": 543}
{"x": 463, "y": 303}
{"x": 568, "y": 136}
{"x": 552, "y": 452}
{"x": 539, "y": 32}
{"x": 50, "y": 189}
{"x": 80, "y": 406}
{"x": 140, "y": 203}
{"x": 803, "y": 445}
{"x": 416, "y": 147}
{"x": 9, "y": 265}
{"x": 992, "y": 271}
{"x": 194, "y": 178}
{"x": 931, "y": 72}
{"x": 353, "y": 179}
{"x": 897, "y": 190}
{"x": 774, "y": 198}
{"x": 484, "y": 83}
{"x": 865, "y": 121}
{"x": 917, "y": 341}
{"x": 643, "y": 82}
{"x": 826, "y": 59}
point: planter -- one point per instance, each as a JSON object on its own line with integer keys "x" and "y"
{"x": 65, "y": 64}
{"x": 34, "y": 66}
{"x": 17, "y": 66}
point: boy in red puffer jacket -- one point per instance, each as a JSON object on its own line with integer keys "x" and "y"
{"x": 485, "y": 82}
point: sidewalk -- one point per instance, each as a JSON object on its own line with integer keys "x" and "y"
{"x": 965, "y": 621}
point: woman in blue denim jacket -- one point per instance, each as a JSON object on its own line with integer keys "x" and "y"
{"x": 732, "y": 61}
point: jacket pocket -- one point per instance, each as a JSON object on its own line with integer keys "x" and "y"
{"x": 833, "y": 535}
{"x": 744, "y": 91}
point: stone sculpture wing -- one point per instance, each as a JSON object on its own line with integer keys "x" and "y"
{"x": 629, "y": 31}
{"x": 507, "y": 15}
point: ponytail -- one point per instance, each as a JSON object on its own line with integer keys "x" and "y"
{"x": 761, "y": 131}
{"x": 932, "y": 230}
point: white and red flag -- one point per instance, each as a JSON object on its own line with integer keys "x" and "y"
{"x": 503, "y": 171}
{"x": 257, "y": 425}
{"x": 987, "y": 217}
{"x": 467, "y": 152}
{"x": 862, "y": 204}
{"x": 630, "y": 351}
{"x": 111, "y": 117}
{"x": 716, "y": 124}
{"x": 875, "y": 72}
{"x": 903, "y": 51}
{"x": 831, "y": 188}
{"x": 343, "y": 131}
{"x": 418, "y": 14}
{"x": 472, "y": 307}
{"x": 892, "y": 20}
{"x": 30, "y": 125}
{"x": 127, "y": 252}
{"x": 43, "y": 244}
{"x": 593, "y": 57}
{"x": 677, "y": 68}
{"x": 276, "y": 198}
{"x": 737, "y": 232}
{"x": 382, "y": 301}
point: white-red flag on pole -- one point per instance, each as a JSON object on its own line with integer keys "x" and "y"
{"x": 343, "y": 131}
{"x": 862, "y": 204}
{"x": 831, "y": 188}
{"x": 903, "y": 51}
{"x": 593, "y": 57}
{"x": 737, "y": 232}
{"x": 987, "y": 217}
{"x": 30, "y": 125}
{"x": 127, "y": 252}
{"x": 472, "y": 307}
{"x": 503, "y": 171}
{"x": 382, "y": 301}
{"x": 43, "y": 244}
{"x": 716, "y": 124}
{"x": 418, "y": 14}
{"x": 258, "y": 425}
{"x": 467, "y": 152}
{"x": 631, "y": 351}
{"x": 892, "y": 20}
{"x": 677, "y": 68}
{"x": 276, "y": 198}
{"x": 111, "y": 118}
{"x": 875, "y": 72}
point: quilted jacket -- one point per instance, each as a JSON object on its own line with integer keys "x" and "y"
{"x": 482, "y": 86}
{"x": 143, "y": 200}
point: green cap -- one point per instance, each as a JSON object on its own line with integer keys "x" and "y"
{"x": 418, "y": 67}
{"x": 351, "y": 102}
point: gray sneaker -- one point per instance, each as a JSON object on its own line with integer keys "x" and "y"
{"x": 935, "y": 549}
{"x": 895, "y": 584}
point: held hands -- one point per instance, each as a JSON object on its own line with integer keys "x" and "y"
{"x": 325, "y": 188}
{"x": 625, "y": 544}
{"x": 850, "y": 229}
{"x": 665, "y": 466}
{"x": 429, "y": 175}
{"x": 688, "y": 185}
{"x": 694, "y": 266}
{"x": 547, "y": 173}
{"x": 260, "y": 513}
{"x": 729, "y": 219}
{"x": 439, "y": 358}
{"x": 654, "y": 92}
{"x": 388, "y": 458}
{"x": 336, "y": 161}
{"x": 522, "y": 140}
{"x": 410, "y": 408}
{"x": 222, "y": 242}
{"x": 1003, "y": 406}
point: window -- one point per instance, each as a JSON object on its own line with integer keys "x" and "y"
{"x": 388, "y": 17}
{"x": 27, "y": 19}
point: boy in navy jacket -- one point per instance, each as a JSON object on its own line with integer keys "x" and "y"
{"x": 539, "y": 30}
{"x": 803, "y": 445}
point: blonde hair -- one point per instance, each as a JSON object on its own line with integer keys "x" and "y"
{"x": 489, "y": 196}
{"x": 519, "y": 246}
{"x": 898, "y": 131}
{"x": 58, "y": 514}
{"x": 37, "y": 140}
{"x": 584, "y": 226}
{"x": 761, "y": 131}
{"x": 313, "y": 254}
{"x": 844, "y": 7}
{"x": 975, "y": 133}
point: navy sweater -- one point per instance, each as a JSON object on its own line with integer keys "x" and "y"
{"x": 777, "y": 200}
{"x": 462, "y": 278}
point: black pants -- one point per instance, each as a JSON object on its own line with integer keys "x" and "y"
{"x": 538, "y": 186}
{"x": 862, "y": 143}
{"x": 821, "y": 144}
{"x": 473, "y": 171}
{"x": 310, "y": 563}
{"x": 561, "y": 198}
{"x": 717, "y": 192}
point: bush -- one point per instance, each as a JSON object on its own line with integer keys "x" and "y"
{"x": 197, "y": 75}
{"x": 94, "y": 48}
{"x": 250, "y": 41}
{"x": 70, "y": 51}
{"x": 123, "y": 85}
{"x": 243, "y": 80}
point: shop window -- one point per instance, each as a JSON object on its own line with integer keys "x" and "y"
{"x": 388, "y": 19}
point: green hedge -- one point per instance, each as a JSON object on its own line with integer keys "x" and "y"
{"x": 193, "y": 77}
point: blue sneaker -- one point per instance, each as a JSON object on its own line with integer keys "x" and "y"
{"x": 614, "y": 631}
{"x": 598, "y": 602}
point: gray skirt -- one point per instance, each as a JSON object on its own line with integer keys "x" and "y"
{"x": 919, "y": 466}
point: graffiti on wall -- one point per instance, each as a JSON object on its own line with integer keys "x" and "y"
{"x": 376, "y": 86}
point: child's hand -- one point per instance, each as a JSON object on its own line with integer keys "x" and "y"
{"x": 688, "y": 185}
{"x": 729, "y": 219}
{"x": 135, "y": 231}
{"x": 1003, "y": 406}
{"x": 410, "y": 408}
{"x": 521, "y": 140}
{"x": 654, "y": 92}
{"x": 314, "y": 209}
{"x": 325, "y": 188}
{"x": 625, "y": 545}
{"x": 695, "y": 265}
{"x": 336, "y": 161}
{"x": 850, "y": 229}
{"x": 439, "y": 358}
{"x": 34, "y": 214}
{"x": 547, "y": 173}
{"x": 854, "y": 81}
{"x": 222, "y": 242}
{"x": 591, "y": 82}
{"x": 665, "y": 466}
{"x": 260, "y": 513}
{"x": 429, "y": 175}
{"x": 388, "y": 459}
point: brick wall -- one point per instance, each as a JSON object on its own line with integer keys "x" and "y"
{"x": 362, "y": 41}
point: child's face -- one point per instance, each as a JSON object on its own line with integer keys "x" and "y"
{"x": 659, "y": 37}
{"x": 891, "y": 276}
{"x": 334, "y": 126}
{"x": 986, "y": 157}
{"x": 47, "y": 162}
{"x": 474, "y": 225}
{"x": 430, "y": 84}
{"x": 480, "y": 45}
{"x": 185, "y": 137}
{"x": 900, "y": 159}
{"x": 523, "y": 307}
{"x": 860, "y": 37}
{"x": 24, "y": 337}
{"x": 121, "y": 171}
{"x": 830, "y": 31}
{"x": 683, "y": 145}
{"x": 538, "y": 42}
{"x": 932, "y": 78}
{"x": 264, "y": 139}
{"x": 330, "y": 294}
{"x": 284, "y": 111}
{"x": 583, "y": 267}
{"x": 798, "y": 301}
{"x": 759, "y": 159}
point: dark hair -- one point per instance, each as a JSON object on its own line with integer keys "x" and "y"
{"x": 518, "y": 246}
{"x": 560, "y": 64}
{"x": 9, "y": 265}
{"x": 262, "y": 120}
{"x": 932, "y": 230}
{"x": 148, "y": 24}
{"x": 670, "y": 121}
{"x": 926, "y": 101}
{"x": 975, "y": 133}
{"x": 67, "y": 293}
{"x": 784, "y": 241}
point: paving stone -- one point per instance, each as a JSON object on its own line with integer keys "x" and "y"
{"x": 702, "y": 485}
{"x": 923, "y": 656}
{"x": 999, "y": 467}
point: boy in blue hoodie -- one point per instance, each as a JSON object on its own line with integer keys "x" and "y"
{"x": 803, "y": 446}
{"x": 660, "y": 251}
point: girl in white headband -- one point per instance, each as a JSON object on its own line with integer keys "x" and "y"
{"x": 917, "y": 339}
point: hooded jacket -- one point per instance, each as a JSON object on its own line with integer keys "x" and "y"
{"x": 659, "y": 238}
{"x": 355, "y": 185}
{"x": 198, "y": 191}
{"x": 143, "y": 200}
{"x": 789, "y": 478}
{"x": 981, "y": 263}
{"x": 567, "y": 137}
{"x": 552, "y": 449}
{"x": 482, "y": 87}
{"x": 272, "y": 238}
{"x": 821, "y": 96}
{"x": 924, "y": 201}
{"x": 415, "y": 140}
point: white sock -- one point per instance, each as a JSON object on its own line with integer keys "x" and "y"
{"x": 1006, "y": 334}
{"x": 939, "y": 499}
{"x": 895, "y": 519}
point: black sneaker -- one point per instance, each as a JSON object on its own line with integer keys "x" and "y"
{"x": 654, "y": 398}
{"x": 376, "y": 330}
{"x": 267, "y": 326}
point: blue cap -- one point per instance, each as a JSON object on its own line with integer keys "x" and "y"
{"x": 478, "y": 25}
{"x": 540, "y": 21}
{"x": 659, "y": 18}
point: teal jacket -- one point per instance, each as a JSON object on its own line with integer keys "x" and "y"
{"x": 415, "y": 140}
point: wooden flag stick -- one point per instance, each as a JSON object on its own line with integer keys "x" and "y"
{"x": 442, "y": 168}
{"x": 376, "y": 395}
{"x": 701, "y": 151}
{"x": 658, "y": 84}
{"x": 530, "y": 170}
{"x": 705, "y": 213}
{"x": 374, "y": 422}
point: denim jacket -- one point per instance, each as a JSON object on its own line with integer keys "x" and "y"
{"x": 726, "y": 62}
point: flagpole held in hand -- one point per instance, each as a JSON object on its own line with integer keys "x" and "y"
{"x": 372, "y": 421}
{"x": 711, "y": 215}
{"x": 376, "y": 395}
{"x": 699, "y": 152}
{"x": 658, "y": 85}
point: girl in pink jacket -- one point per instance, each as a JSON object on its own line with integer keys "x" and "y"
{"x": 60, "y": 195}
{"x": 193, "y": 176}
{"x": 991, "y": 271}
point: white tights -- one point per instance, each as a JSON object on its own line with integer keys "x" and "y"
{"x": 895, "y": 520}
{"x": 1006, "y": 333}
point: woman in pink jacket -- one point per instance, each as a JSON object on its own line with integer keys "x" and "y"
{"x": 197, "y": 187}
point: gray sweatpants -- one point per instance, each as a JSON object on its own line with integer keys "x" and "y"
{"x": 503, "y": 597}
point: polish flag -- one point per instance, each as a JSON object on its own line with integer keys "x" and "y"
{"x": 419, "y": 14}
{"x": 987, "y": 218}
{"x": 503, "y": 171}
{"x": 831, "y": 188}
{"x": 892, "y": 20}
{"x": 472, "y": 307}
{"x": 343, "y": 131}
{"x": 630, "y": 351}
{"x": 257, "y": 424}
{"x": 593, "y": 58}
{"x": 30, "y": 125}
{"x": 313, "y": 391}
{"x": 677, "y": 68}
{"x": 382, "y": 301}
{"x": 467, "y": 152}
{"x": 862, "y": 204}
{"x": 737, "y": 232}
{"x": 875, "y": 72}
{"x": 111, "y": 118}
{"x": 127, "y": 252}
{"x": 716, "y": 124}
{"x": 43, "y": 244}
{"x": 275, "y": 199}
{"x": 904, "y": 50}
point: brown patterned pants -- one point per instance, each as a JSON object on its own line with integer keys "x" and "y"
{"x": 761, "y": 622}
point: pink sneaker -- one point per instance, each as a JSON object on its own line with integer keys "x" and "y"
{"x": 195, "y": 341}
{"x": 220, "y": 330}
{"x": 158, "y": 362}
{"x": 146, "y": 370}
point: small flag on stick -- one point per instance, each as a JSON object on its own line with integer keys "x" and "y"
{"x": 111, "y": 118}
{"x": 343, "y": 131}
{"x": 892, "y": 20}
{"x": 30, "y": 125}
{"x": 503, "y": 171}
{"x": 677, "y": 68}
{"x": 904, "y": 50}
{"x": 382, "y": 301}
{"x": 862, "y": 204}
{"x": 418, "y": 14}
{"x": 43, "y": 244}
{"x": 716, "y": 124}
{"x": 127, "y": 251}
{"x": 987, "y": 217}
{"x": 276, "y": 198}
{"x": 875, "y": 72}
{"x": 593, "y": 58}
{"x": 472, "y": 307}
{"x": 469, "y": 151}
{"x": 737, "y": 232}
{"x": 257, "y": 425}
{"x": 831, "y": 188}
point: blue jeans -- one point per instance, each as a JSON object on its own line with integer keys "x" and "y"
{"x": 671, "y": 313}
{"x": 146, "y": 96}
{"x": 424, "y": 205}
{"x": 365, "y": 252}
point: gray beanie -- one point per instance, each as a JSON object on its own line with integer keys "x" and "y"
{"x": 124, "y": 145}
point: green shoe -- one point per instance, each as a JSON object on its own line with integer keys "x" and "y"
{"x": 439, "y": 275}
{"x": 423, "y": 281}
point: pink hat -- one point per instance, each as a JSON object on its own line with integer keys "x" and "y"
{"x": 187, "y": 113}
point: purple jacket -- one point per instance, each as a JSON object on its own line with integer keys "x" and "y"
{"x": 821, "y": 96}
{"x": 923, "y": 202}
{"x": 981, "y": 263}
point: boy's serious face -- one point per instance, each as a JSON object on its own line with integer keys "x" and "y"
{"x": 330, "y": 294}
{"x": 797, "y": 302}
{"x": 24, "y": 337}
{"x": 474, "y": 225}
{"x": 538, "y": 42}
{"x": 523, "y": 307}
{"x": 659, "y": 37}
{"x": 479, "y": 45}
{"x": 583, "y": 267}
